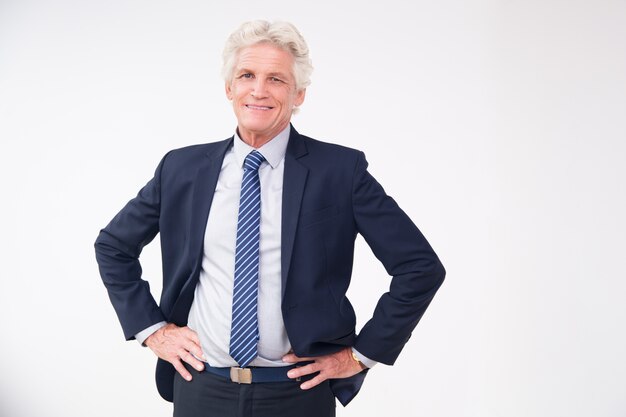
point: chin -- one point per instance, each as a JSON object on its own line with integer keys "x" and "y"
{"x": 256, "y": 125}
{"x": 257, "y": 128}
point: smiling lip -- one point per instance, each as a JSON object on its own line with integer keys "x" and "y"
{"x": 253, "y": 107}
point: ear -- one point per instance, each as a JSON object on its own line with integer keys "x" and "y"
{"x": 229, "y": 91}
{"x": 300, "y": 97}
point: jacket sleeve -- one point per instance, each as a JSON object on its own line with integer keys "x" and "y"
{"x": 406, "y": 255}
{"x": 118, "y": 247}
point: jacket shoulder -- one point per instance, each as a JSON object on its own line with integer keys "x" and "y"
{"x": 192, "y": 154}
{"x": 319, "y": 148}
{"x": 321, "y": 145}
{"x": 200, "y": 149}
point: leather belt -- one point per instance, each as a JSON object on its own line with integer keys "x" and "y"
{"x": 253, "y": 375}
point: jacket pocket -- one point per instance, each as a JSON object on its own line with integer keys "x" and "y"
{"x": 318, "y": 216}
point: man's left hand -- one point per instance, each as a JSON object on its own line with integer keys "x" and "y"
{"x": 336, "y": 365}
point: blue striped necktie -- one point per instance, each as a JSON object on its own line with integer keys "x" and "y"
{"x": 244, "y": 331}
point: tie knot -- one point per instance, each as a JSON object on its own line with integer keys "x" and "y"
{"x": 253, "y": 160}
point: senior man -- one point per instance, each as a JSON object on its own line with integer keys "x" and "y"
{"x": 257, "y": 238}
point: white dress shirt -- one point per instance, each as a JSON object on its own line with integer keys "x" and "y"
{"x": 211, "y": 310}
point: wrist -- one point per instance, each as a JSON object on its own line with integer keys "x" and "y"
{"x": 143, "y": 335}
{"x": 356, "y": 359}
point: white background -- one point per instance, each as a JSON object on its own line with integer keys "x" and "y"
{"x": 499, "y": 126}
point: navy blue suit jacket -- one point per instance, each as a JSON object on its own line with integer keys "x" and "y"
{"x": 328, "y": 197}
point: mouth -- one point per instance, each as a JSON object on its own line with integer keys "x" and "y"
{"x": 262, "y": 108}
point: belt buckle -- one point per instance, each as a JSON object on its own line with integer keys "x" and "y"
{"x": 241, "y": 375}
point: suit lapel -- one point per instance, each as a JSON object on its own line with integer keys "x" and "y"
{"x": 294, "y": 180}
{"x": 204, "y": 188}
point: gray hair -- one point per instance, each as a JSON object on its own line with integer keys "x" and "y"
{"x": 281, "y": 34}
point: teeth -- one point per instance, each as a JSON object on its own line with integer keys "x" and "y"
{"x": 257, "y": 107}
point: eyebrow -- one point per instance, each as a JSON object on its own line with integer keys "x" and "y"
{"x": 278, "y": 74}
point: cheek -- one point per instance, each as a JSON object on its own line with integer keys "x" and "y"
{"x": 236, "y": 91}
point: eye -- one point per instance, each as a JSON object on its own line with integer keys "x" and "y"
{"x": 276, "y": 80}
{"x": 246, "y": 75}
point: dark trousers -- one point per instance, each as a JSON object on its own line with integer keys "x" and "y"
{"x": 209, "y": 395}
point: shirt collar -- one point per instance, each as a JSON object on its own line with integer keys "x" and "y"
{"x": 273, "y": 151}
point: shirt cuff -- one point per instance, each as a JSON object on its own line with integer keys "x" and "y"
{"x": 364, "y": 359}
{"x": 144, "y": 334}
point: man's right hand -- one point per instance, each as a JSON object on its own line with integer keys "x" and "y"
{"x": 176, "y": 344}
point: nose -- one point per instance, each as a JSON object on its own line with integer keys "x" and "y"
{"x": 259, "y": 89}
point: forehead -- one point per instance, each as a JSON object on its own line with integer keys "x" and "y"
{"x": 265, "y": 57}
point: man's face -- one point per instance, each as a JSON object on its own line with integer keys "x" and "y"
{"x": 263, "y": 92}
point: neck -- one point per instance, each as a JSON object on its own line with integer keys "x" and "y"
{"x": 256, "y": 140}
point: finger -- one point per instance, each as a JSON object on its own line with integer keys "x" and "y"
{"x": 192, "y": 335}
{"x": 191, "y": 360}
{"x": 194, "y": 348}
{"x": 313, "y": 382}
{"x": 197, "y": 351}
{"x": 292, "y": 358}
{"x": 180, "y": 368}
{"x": 303, "y": 370}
